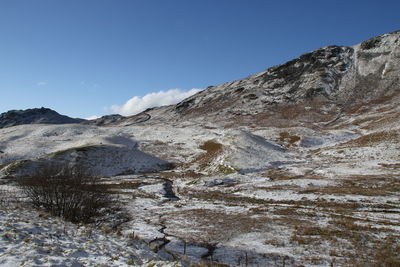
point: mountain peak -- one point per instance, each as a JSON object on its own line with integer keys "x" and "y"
{"x": 34, "y": 116}
{"x": 329, "y": 79}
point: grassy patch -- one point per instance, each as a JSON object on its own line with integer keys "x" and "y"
{"x": 280, "y": 174}
{"x": 390, "y": 166}
{"x": 213, "y": 150}
{"x": 358, "y": 185}
{"x": 211, "y": 147}
{"x": 216, "y": 226}
{"x": 375, "y": 138}
{"x": 355, "y": 244}
{"x": 234, "y": 199}
{"x": 184, "y": 174}
{"x": 288, "y": 139}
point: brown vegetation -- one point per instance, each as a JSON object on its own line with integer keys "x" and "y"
{"x": 288, "y": 139}
{"x": 359, "y": 185}
{"x": 69, "y": 193}
{"x": 375, "y": 138}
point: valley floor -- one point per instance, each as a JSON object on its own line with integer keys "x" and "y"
{"x": 322, "y": 195}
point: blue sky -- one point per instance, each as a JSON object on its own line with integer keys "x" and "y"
{"x": 81, "y": 57}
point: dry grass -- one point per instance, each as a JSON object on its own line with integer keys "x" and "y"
{"x": 390, "y": 166}
{"x": 211, "y": 147}
{"x": 388, "y": 119}
{"x": 185, "y": 174}
{"x": 287, "y": 115}
{"x": 388, "y": 253}
{"x": 212, "y": 150}
{"x": 332, "y": 232}
{"x": 232, "y": 199}
{"x": 364, "y": 120}
{"x": 288, "y": 211}
{"x": 362, "y": 108}
{"x": 351, "y": 243}
{"x": 288, "y": 139}
{"x": 205, "y": 226}
{"x": 279, "y": 174}
{"x": 226, "y": 197}
{"x": 358, "y": 109}
{"x": 374, "y": 138}
{"x": 359, "y": 185}
{"x": 280, "y": 187}
{"x": 212, "y": 264}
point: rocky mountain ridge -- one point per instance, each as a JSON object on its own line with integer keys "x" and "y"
{"x": 49, "y": 116}
{"x": 324, "y": 83}
{"x": 338, "y": 73}
{"x": 34, "y": 116}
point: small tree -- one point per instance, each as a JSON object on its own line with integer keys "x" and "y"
{"x": 69, "y": 193}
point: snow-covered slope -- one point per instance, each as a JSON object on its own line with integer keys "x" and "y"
{"x": 29, "y": 238}
{"x": 317, "y": 86}
{"x": 295, "y": 166}
{"x": 103, "y": 152}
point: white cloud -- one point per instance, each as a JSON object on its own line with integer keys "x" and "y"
{"x": 41, "y": 83}
{"x": 138, "y": 104}
{"x": 92, "y": 117}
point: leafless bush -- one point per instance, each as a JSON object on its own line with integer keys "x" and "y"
{"x": 5, "y": 198}
{"x": 69, "y": 193}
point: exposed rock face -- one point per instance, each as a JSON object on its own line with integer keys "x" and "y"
{"x": 34, "y": 116}
{"x": 375, "y": 70}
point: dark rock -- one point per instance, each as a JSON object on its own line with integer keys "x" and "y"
{"x": 184, "y": 105}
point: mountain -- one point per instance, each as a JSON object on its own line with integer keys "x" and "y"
{"x": 34, "y": 116}
{"x": 332, "y": 78}
{"x": 318, "y": 86}
{"x": 298, "y": 165}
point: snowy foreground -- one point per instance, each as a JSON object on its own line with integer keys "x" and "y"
{"x": 31, "y": 238}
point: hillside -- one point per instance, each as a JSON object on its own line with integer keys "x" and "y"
{"x": 298, "y": 165}
{"x": 317, "y": 87}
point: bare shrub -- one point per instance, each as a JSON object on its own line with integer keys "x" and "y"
{"x": 69, "y": 193}
{"x": 6, "y": 197}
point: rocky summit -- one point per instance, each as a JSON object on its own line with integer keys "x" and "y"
{"x": 34, "y": 116}
{"x": 298, "y": 165}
